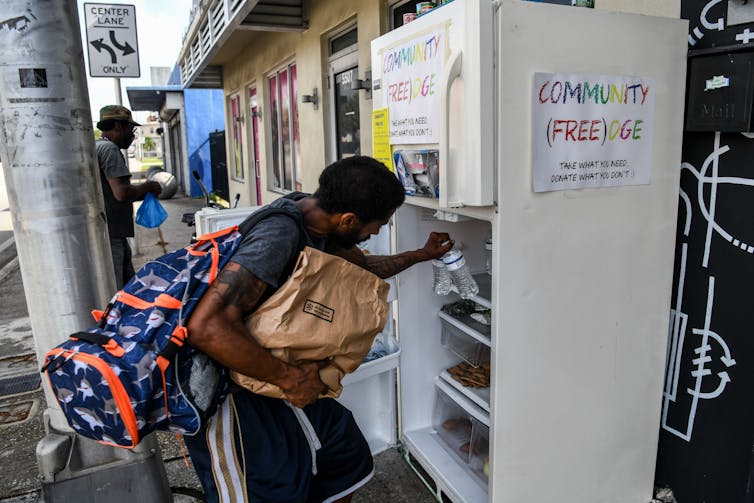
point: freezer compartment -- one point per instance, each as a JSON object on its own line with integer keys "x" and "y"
{"x": 466, "y": 338}
{"x": 456, "y": 117}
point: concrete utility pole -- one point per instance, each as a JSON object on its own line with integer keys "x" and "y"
{"x": 50, "y": 168}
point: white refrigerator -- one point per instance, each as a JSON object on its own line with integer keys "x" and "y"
{"x": 559, "y": 134}
{"x": 578, "y": 298}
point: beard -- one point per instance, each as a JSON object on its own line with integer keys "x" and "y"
{"x": 346, "y": 240}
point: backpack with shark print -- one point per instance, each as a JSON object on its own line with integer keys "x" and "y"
{"x": 132, "y": 373}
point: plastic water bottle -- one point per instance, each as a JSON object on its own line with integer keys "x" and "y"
{"x": 442, "y": 282}
{"x": 460, "y": 274}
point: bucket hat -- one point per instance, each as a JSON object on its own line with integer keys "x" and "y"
{"x": 116, "y": 113}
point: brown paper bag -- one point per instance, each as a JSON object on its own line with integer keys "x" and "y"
{"x": 328, "y": 308}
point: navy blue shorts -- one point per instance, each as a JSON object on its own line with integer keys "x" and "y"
{"x": 256, "y": 449}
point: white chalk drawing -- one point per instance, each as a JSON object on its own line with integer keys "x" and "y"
{"x": 702, "y": 365}
{"x": 700, "y": 368}
{"x": 719, "y": 25}
{"x": 708, "y": 211}
{"x": 745, "y": 36}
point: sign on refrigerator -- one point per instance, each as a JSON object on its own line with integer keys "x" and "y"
{"x": 111, "y": 40}
{"x": 411, "y": 72}
{"x": 591, "y": 131}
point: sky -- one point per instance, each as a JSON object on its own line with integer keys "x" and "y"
{"x": 160, "y": 25}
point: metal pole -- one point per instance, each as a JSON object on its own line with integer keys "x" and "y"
{"x": 51, "y": 174}
{"x": 118, "y": 92}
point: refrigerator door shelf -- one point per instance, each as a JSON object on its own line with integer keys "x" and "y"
{"x": 370, "y": 394}
{"x": 374, "y": 367}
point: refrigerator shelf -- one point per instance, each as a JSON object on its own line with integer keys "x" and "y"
{"x": 464, "y": 342}
{"x": 450, "y": 476}
{"x": 472, "y": 409}
{"x": 480, "y": 396}
{"x": 470, "y": 327}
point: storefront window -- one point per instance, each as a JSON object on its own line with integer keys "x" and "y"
{"x": 284, "y": 135}
{"x": 236, "y": 118}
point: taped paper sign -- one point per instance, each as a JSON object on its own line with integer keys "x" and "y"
{"x": 591, "y": 131}
{"x": 411, "y": 73}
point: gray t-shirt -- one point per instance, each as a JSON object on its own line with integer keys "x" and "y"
{"x": 120, "y": 215}
{"x": 269, "y": 250}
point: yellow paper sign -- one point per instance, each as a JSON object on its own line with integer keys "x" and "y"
{"x": 381, "y": 138}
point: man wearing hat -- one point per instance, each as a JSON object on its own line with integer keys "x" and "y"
{"x": 118, "y": 129}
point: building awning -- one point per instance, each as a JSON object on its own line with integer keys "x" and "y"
{"x": 149, "y": 99}
{"x": 217, "y": 27}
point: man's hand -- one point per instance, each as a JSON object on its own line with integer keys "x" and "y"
{"x": 384, "y": 266}
{"x": 153, "y": 187}
{"x": 303, "y": 385}
{"x": 438, "y": 244}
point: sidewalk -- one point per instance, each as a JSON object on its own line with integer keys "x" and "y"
{"x": 21, "y": 413}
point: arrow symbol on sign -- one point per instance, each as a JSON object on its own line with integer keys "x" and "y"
{"x": 99, "y": 45}
{"x": 127, "y": 49}
{"x": 724, "y": 380}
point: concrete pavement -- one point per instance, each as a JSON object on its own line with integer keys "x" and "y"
{"x": 22, "y": 402}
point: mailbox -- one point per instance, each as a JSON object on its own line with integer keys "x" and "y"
{"x": 720, "y": 92}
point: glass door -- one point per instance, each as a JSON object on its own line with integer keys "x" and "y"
{"x": 343, "y": 71}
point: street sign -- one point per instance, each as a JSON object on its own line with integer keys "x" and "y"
{"x": 111, "y": 40}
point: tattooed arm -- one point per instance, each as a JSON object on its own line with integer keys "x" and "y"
{"x": 385, "y": 266}
{"x": 216, "y": 328}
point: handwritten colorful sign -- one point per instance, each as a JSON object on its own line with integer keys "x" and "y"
{"x": 411, "y": 81}
{"x": 591, "y": 131}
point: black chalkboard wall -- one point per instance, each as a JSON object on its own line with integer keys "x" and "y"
{"x": 707, "y": 424}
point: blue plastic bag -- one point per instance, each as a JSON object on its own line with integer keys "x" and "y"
{"x": 151, "y": 213}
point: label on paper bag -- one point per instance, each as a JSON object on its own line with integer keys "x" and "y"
{"x": 319, "y": 310}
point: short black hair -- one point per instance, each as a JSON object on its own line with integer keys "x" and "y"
{"x": 360, "y": 185}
